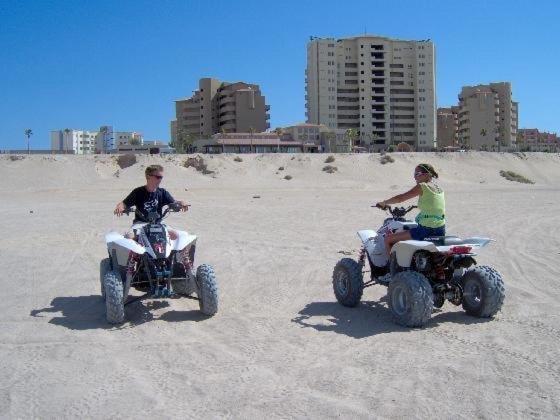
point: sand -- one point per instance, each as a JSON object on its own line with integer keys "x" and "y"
{"x": 280, "y": 346}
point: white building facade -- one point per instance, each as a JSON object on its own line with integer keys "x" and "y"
{"x": 79, "y": 142}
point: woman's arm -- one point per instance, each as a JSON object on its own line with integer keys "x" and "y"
{"x": 413, "y": 192}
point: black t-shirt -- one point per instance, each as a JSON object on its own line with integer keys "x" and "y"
{"x": 148, "y": 202}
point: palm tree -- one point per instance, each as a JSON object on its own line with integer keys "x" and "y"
{"x": 352, "y": 134}
{"x": 374, "y": 137}
{"x": 483, "y": 132}
{"x": 28, "y": 132}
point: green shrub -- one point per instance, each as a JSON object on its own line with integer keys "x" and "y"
{"x": 330, "y": 159}
{"x": 288, "y": 177}
{"x": 386, "y": 159}
{"x": 330, "y": 169}
{"x": 197, "y": 163}
{"x": 238, "y": 159}
{"x": 512, "y": 176}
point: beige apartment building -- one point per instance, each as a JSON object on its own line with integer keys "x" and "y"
{"x": 533, "y": 140}
{"x": 383, "y": 88}
{"x": 448, "y": 127}
{"x": 488, "y": 117}
{"x": 326, "y": 139}
{"x": 221, "y": 107}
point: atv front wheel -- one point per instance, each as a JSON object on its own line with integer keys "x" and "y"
{"x": 348, "y": 282}
{"x": 483, "y": 291}
{"x": 114, "y": 297}
{"x": 104, "y": 267}
{"x": 207, "y": 289}
{"x": 411, "y": 299}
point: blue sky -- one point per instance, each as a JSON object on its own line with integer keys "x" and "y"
{"x": 82, "y": 64}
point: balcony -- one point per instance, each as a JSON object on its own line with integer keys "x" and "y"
{"x": 228, "y": 107}
{"x": 226, "y": 99}
{"x": 347, "y": 99}
{"x": 225, "y": 118}
{"x": 349, "y": 117}
{"x": 378, "y": 81}
{"x": 348, "y": 125}
{"x": 356, "y": 91}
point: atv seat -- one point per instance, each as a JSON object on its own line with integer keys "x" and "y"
{"x": 446, "y": 240}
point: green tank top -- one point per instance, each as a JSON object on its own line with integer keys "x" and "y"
{"x": 432, "y": 207}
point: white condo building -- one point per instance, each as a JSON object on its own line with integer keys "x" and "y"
{"x": 79, "y": 142}
{"x": 104, "y": 140}
{"x": 383, "y": 88}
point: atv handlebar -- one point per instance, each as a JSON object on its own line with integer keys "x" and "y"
{"x": 396, "y": 212}
{"x": 154, "y": 217}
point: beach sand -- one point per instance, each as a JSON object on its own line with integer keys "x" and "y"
{"x": 280, "y": 346}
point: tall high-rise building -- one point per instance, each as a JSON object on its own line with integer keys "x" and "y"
{"x": 218, "y": 107}
{"x": 383, "y": 88}
{"x": 488, "y": 117}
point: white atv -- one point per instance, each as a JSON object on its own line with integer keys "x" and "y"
{"x": 421, "y": 275}
{"x": 156, "y": 264}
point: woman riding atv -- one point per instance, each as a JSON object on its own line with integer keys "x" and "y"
{"x": 431, "y": 203}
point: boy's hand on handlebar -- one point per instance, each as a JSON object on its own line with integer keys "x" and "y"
{"x": 382, "y": 205}
{"x": 184, "y": 206}
{"x": 120, "y": 209}
{"x": 179, "y": 206}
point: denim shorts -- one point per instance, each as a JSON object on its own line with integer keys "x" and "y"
{"x": 421, "y": 232}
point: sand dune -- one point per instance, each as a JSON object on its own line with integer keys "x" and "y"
{"x": 280, "y": 346}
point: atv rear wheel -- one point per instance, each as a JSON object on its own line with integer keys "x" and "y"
{"x": 483, "y": 291}
{"x": 207, "y": 289}
{"x": 104, "y": 267}
{"x": 348, "y": 282}
{"x": 114, "y": 297}
{"x": 411, "y": 299}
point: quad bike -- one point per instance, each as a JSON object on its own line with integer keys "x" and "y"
{"x": 155, "y": 264}
{"x": 420, "y": 275}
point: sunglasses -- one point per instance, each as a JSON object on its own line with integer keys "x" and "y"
{"x": 158, "y": 176}
{"x": 419, "y": 173}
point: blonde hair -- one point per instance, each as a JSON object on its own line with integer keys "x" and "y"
{"x": 152, "y": 169}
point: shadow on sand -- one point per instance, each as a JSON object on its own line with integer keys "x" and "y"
{"x": 368, "y": 318}
{"x": 88, "y": 312}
